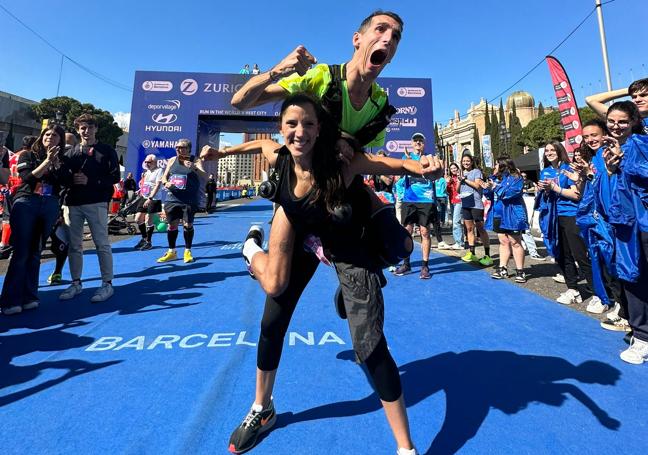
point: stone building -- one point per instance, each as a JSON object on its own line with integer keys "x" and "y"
{"x": 16, "y": 111}
{"x": 459, "y": 133}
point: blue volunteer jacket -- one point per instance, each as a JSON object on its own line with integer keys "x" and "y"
{"x": 507, "y": 204}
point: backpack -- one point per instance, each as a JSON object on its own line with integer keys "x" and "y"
{"x": 332, "y": 104}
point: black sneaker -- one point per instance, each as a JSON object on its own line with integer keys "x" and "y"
{"x": 403, "y": 270}
{"x": 255, "y": 233}
{"x": 255, "y": 423}
{"x": 140, "y": 244}
{"x": 339, "y": 303}
{"x": 146, "y": 246}
{"x": 425, "y": 273}
{"x": 499, "y": 273}
{"x": 520, "y": 276}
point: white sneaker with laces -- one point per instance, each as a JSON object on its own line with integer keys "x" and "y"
{"x": 103, "y": 293}
{"x": 569, "y": 297}
{"x": 637, "y": 353}
{"x": 614, "y": 312}
{"x": 596, "y": 306}
{"x": 456, "y": 246}
{"x": 443, "y": 246}
{"x": 71, "y": 292}
{"x": 559, "y": 278}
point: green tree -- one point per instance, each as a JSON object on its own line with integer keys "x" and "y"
{"x": 541, "y": 111}
{"x": 487, "y": 125}
{"x": 547, "y": 128}
{"x": 108, "y": 131}
{"x": 477, "y": 145}
{"x": 495, "y": 136}
{"x": 515, "y": 129}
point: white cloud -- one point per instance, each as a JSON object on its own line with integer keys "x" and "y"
{"x": 122, "y": 119}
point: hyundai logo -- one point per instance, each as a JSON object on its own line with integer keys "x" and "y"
{"x": 164, "y": 119}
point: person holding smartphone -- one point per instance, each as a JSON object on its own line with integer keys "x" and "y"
{"x": 35, "y": 210}
{"x": 181, "y": 179}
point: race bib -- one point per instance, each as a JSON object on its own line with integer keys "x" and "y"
{"x": 179, "y": 181}
{"x": 146, "y": 189}
{"x": 43, "y": 189}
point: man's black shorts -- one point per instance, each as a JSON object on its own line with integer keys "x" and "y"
{"x": 472, "y": 214}
{"x": 155, "y": 206}
{"x": 496, "y": 228}
{"x": 421, "y": 213}
{"x": 178, "y": 211}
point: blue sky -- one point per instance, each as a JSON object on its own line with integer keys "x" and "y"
{"x": 470, "y": 48}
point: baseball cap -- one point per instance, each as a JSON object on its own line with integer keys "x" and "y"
{"x": 418, "y": 136}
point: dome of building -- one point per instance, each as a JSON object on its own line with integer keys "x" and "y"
{"x": 521, "y": 99}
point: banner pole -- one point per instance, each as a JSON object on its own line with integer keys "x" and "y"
{"x": 606, "y": 64}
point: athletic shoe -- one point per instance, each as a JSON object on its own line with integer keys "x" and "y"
{"x": 103, "y": 293}
{"x": 54, "y": 279}
{"x": 443, "y": 246}
{"x": 537, "y": 257}
{"x": 339, "y": 303}
{"x": 456, "y": 246}
{"x": 392, "y": 268}
{"x": 425, "y": 273}
{"x": 188, "y": 257}
{"x": 627, "y": 338}
{"x": 520, "y": 276}
{"x": 569, "y": 297}
{"x": 596, "y": 306}
{"x": 139, "y": 244}
{"x": 616, "y": 325}
{"x": 256, "y": 422}
{"x": 403, "y": 270}
{"x": 499, "y": 273}
{"x": 146, "y": 246}
{"x": 402, "y": 451}
{"x": 559, "y": 278}
{"x": 71, "y": 292}
{"x": 469, "y": 257}
{"x": 10, "y": 310}
{"x": 637, "y": 353}
{"x": 486, "y": 261}
{"x": 31, "y": 305}
{"x": 255, "y": 233}
{"x": 614, "y": 312}
{"x": 170, "y": 255}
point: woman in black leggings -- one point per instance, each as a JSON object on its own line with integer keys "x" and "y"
{"x": 318, "y": 196}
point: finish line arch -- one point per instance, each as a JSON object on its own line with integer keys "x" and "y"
{"x": 168, "y": 106}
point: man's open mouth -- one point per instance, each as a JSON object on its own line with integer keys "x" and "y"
{"x": 378, "y": 57}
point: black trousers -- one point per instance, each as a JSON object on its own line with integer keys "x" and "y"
{"x": 278, "y": 312}
{"x": 637, "y": 295}
{"x": 572, "y": 250}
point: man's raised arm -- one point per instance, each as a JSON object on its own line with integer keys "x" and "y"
{"x": 262, "y": 88}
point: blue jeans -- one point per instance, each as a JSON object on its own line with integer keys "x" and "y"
{"x": 457, "y": 225}
{"x": 32, "y": 219}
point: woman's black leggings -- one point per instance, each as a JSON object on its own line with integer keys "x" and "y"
{"x": 573, "y": 250}
{"x": 279, "y": 310}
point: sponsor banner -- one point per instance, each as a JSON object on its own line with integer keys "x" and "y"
{"x": 569, "y": 117}
{"x": 486, "y": 151}
{"x": 166, "y": 107}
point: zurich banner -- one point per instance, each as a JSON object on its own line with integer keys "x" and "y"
{"x": 168, "y": 106}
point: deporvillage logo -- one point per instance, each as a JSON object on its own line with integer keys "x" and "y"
{"x": 204, "y": 340}
{"x": 169, "y": 105}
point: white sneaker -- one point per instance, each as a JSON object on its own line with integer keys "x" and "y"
{"x": 614, "y": 312}
{"x": 596, "y": 306}
{"x": 402, "y": 451}
{"x": 8, "y": 311}
{"x": 103, "y": 293}
{"x": 443, "y": 246}
{"x": 71, "y": 292}
{"x": 31, "y": 305}
{"x": 558, "y": 278}
{"x": 616, "y": 325}
{"x": 637, "y": 353}
{"x": 456, "y": 246}
{"x": 569, "y": 297}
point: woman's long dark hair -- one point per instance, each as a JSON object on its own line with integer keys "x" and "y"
{"x": 506, "y": 165}
{"x": 630, "y": 109}
{"x": 327, "y": 171}
{"x": 560, "y": 151}
{"x": 38, "y": 146}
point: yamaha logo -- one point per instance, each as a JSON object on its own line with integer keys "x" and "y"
{"x": 164, "y": 119}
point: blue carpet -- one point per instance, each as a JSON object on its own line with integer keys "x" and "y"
{"x": 167, "y": 365}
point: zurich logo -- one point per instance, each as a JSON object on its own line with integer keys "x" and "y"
{"x": 164, "y": 119}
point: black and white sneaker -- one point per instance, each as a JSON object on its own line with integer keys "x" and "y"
{"x": 520, "y": 276}
{"x": 256, "y": 422}
{"x": 257, "y": 235}
{"x": 500, "y": 273}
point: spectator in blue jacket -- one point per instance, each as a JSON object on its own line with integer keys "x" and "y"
{"x": 507, "y": 216}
